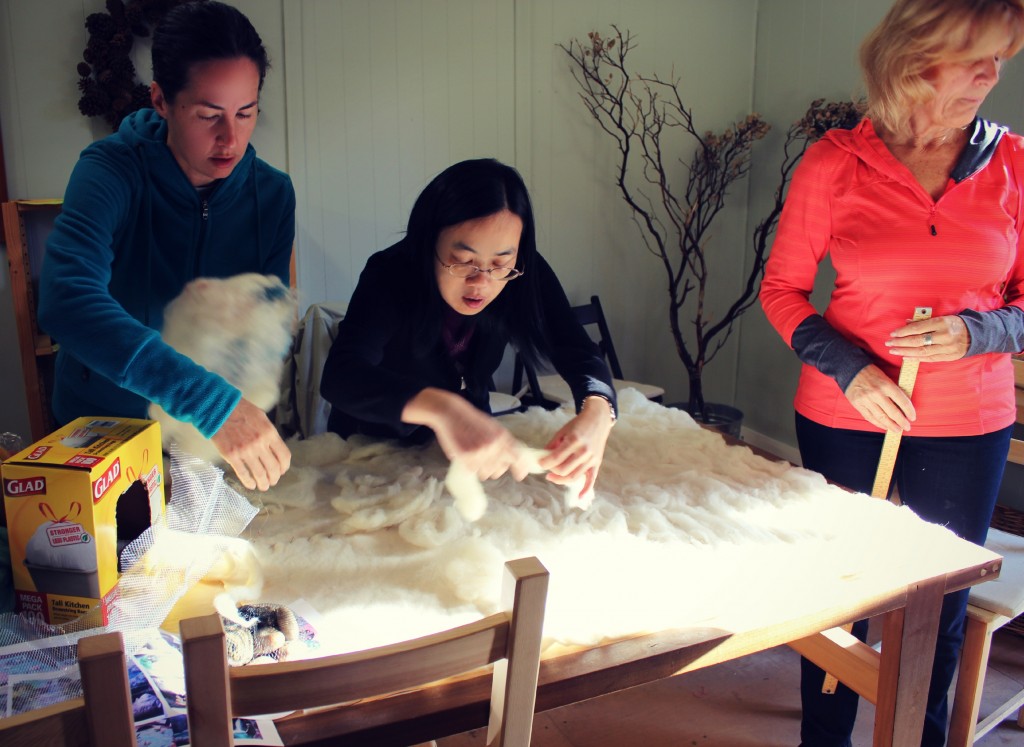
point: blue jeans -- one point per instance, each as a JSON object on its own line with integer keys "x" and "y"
{"x": 951, "y": 481}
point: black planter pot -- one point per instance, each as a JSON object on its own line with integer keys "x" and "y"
{"x": 723, "y": 418}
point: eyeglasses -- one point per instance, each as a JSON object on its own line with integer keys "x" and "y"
{"x": 465, "y": 270}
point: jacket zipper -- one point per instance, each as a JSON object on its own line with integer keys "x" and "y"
{"x": 204, "y": 216}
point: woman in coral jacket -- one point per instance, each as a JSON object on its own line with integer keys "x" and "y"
{"x": 175, "y": 194}
{"x": 922, "y": 204}
{"x": 431, "y": 317}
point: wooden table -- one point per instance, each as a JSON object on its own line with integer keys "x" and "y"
{"x": 896, "y": 680}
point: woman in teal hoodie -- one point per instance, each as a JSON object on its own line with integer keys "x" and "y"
{"x": 177, "y": 193}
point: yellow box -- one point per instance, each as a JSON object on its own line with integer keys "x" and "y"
{"x": 65, "y": 496}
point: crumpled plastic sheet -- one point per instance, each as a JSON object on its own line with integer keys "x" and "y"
{"x": 202, "y": 506}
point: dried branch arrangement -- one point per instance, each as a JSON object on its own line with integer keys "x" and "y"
{"x": 674, "y": 202}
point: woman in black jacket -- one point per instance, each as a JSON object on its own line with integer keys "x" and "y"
{"x": 430, "y": 319}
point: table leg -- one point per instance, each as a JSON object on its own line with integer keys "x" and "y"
{"x": 908, "y": 650}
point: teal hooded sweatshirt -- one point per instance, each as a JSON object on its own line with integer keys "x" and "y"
{"x": 132, "y": 233}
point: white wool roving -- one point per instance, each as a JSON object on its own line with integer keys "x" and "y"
{"x": 471, "y": 500}
{"x": 684, "y": 531}
{"x": 239, "y": 327}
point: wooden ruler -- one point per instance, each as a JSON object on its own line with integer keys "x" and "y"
{"x": 891, "y": 444}
{"x": 887, "y": 459}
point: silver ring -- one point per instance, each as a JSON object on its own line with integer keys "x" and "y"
{"x": 928, "y": 338}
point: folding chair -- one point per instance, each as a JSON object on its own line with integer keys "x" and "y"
{"x": 991, "y": 606}
{"x": 551, "y": 390}
{"x": 510, "y": 640}
{"x": 502, "y": 404}
{"x": 102, "y": 718}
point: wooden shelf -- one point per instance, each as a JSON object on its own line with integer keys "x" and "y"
{"x": 36, "y": 348}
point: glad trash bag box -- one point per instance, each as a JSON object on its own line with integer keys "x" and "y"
{"x": 73, "y": 500}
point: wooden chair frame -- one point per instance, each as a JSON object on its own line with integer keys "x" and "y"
{"x": 101, "y": 718}
{"x": 510, "y": 640}
{"x": 980, "y": 624}
{"x": 964, "y": 727}
{"x": 538, "y": 388}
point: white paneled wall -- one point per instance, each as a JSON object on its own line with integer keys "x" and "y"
{"x": 585, "y": 228}
{"x": 42, "y": 129}
{"x": 382, "y": 95}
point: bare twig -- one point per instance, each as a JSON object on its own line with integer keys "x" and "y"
{"x": 641, "y": 113}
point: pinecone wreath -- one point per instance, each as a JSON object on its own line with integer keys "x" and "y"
{"x": 107, "y": 75}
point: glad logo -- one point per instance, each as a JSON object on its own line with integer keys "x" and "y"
{"x": 38, "y": 452}
{"x": 108, "y": 478}
{"x": 25, "y": 486}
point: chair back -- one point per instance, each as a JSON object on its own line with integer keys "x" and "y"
{"x": 1016, "y": 455}
{"x": 589, "y": 314}
{"x": 592, "y": 314}
{"x": 301, "y": 410}
{"x": 101, "y": 718}
{"x": 510, "y": 640}
{"x": 551, "y": 391}
{"x": 530, "y": 393}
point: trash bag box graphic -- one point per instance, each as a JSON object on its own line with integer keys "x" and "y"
{"x": 65, "y": 497}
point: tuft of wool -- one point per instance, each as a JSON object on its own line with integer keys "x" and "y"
{"x": 240, "y": 327}
{"x": 323, "y": 450}
{"x": 471, "y": 499}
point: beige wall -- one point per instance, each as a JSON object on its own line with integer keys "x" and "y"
{"x": 368, "y": 99}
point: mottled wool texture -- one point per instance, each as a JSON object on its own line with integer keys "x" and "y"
{"x": 471, "y": 500}
{"x": 685, "y": 530}
{"x": 239, "y": 327}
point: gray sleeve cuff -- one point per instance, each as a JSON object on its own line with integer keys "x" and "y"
{"x": 818, "y": 344}
{"x": 996, "y": 331}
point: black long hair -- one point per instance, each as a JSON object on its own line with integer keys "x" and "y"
{"x": 466, "y": 191}
{"x": 197, "y": 32}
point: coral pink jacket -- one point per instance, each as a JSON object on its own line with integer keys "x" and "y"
{"x": 894, "y": 248}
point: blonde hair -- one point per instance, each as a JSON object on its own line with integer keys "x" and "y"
{"x": 915, "y": 35}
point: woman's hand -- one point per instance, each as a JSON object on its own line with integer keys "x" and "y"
{"x": 577, "y": 450}
{"x": 880, "y": 400}
{"x": 250, "y": 443}
{"x": 482, "y": 444}
{"x": 944, "y": 338}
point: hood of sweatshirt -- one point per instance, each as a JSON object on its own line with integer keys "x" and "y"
{"x": 864, "y": 143}
{"x": 145, "y": 132}
{"x": 170, "y": 207}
